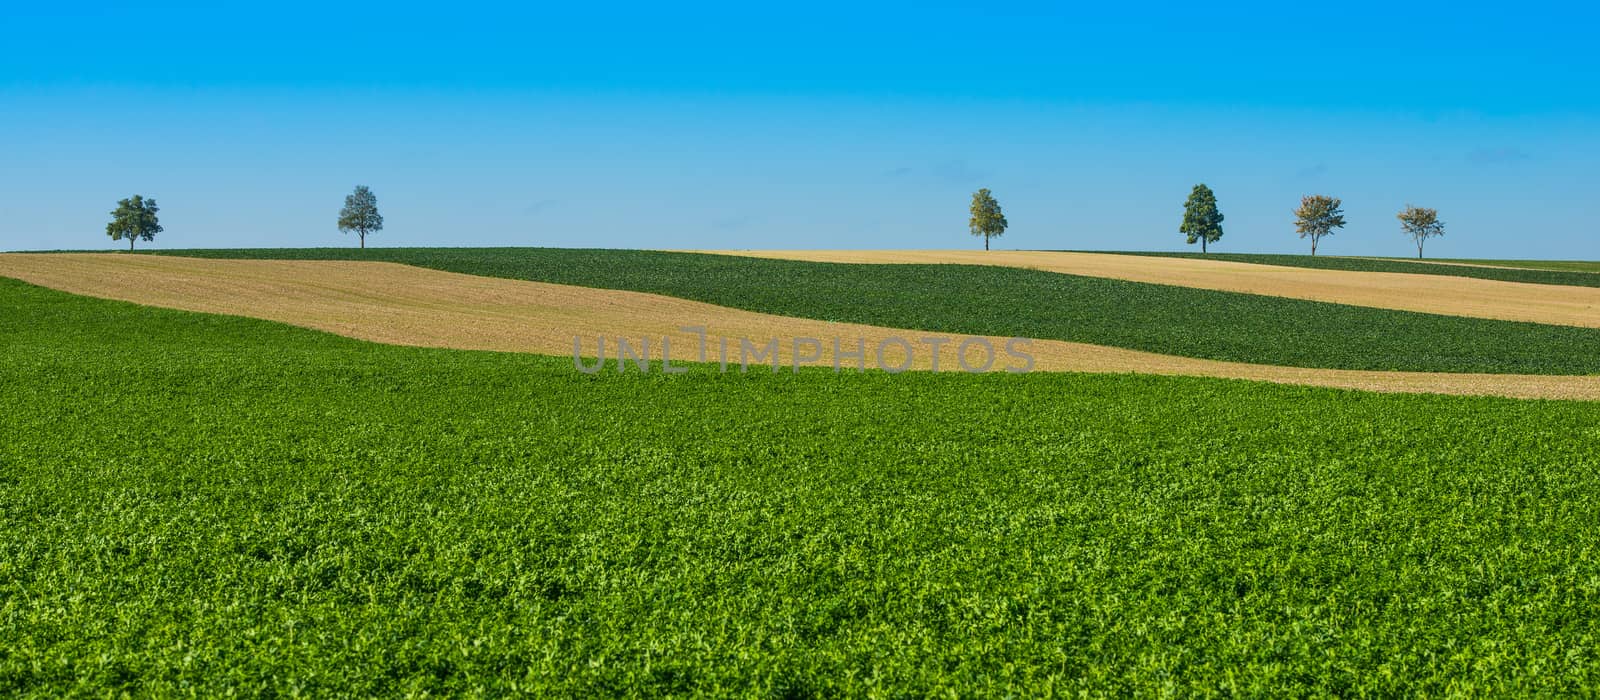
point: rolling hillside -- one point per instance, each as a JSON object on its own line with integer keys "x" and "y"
{"x": 1566, "y": 273}
{"x": 200, "y": 504}
{"x": 407, "y": 305}
{"x": 1433, "y": 294}
{"x": 1000, "y": 301}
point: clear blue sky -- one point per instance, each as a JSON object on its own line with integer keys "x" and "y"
{"x": 813, "y": 125}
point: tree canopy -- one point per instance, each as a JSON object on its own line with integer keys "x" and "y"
{"x": 134, "y": 219}
{"x": 1420, "y": 223}
{"x": 1201, "y": 219}
{"x": 1318, "y": 216}
{"x": 987, "y": 220}
{"x": 360, "y": 214}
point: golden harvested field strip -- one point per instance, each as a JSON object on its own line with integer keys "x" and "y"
{"x": 398, "y": 304}
{"x": 1435, "y": 294}
{"x": 1414, "y": 261}
{"x": 1457, "y": 263}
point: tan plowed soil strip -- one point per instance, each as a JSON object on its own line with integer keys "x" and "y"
{"x": 1435, "y": 294}
{"x": 393, "y": 303}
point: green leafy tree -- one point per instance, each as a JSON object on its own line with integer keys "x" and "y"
{"x": 360, "y": 214}
{"x": 134, "y": 219}
{"x": 1201, "y": 220}
{"x": 1318, "y": 216}
{"x": 987, "y": 220}
{"x": 1421, "y": 223}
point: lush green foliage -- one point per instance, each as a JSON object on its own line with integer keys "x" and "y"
{"x": 1570, "y": 273}
{"x": 987, "y": 220}
{"x": 360, "y": 214}
{"x": 233, "y": 505}
{"x": 1420, "y": 224}
{"x": 134, "y": 219}
{"x": 990, "y": 300}
{"x": 1317, "y": 216}
{"x": 1201, "y": 220}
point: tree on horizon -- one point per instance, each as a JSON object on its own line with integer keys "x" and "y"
{"x": 1318, "y": 216}
{"x": 1420, "y": 223}
{"x": 134, "y": 219}
{"x": 987, "y": 219}
{"x": 360, "y": 214}
{"x": 1201, "y": 219}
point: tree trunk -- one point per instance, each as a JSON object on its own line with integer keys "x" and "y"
{"x": 363, "y": 237}
{"x": 130, "y": 244}
{"x": 986, "y": 241}
{"x": 1202, "y": 245}
{"x": 1313, "y": 246}
{"x": 1419, "y": 250}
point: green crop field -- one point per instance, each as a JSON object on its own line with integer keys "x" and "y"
{"x": 1571, "y": 273}
{"x": 204, "y": 506}
{"x": 988, "y": 300}
{"x": 308, "y": 388}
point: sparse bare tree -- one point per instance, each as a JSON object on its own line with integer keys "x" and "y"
{"x": 1318, "y": 216}
{"x": 1420, "y": 223}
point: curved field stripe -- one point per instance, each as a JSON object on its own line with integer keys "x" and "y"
{"x": 1566, "y": 273}
{"x": 176, "y": 488}
{"x": 1582, "y": 266}
{"x": 1003, "y": 301}
{"x": 398, "y": 304}
{"x": 1424, "y": 293}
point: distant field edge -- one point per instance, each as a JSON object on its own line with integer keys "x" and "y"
{"x": 1399, "y": 291}
{"x": 984, "y": 299}
{"x": 1570, "y": 273}
{"x": 403, "y": 305}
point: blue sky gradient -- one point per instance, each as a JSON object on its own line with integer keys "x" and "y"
{"x": 819, "y": 125}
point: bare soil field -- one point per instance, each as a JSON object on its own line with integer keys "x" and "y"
{"x": 1436, "y": 294}
{"x": 399, "y": 304}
